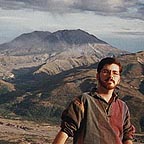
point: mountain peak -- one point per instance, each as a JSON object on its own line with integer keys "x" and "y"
{"x": 73, "y": 37}
{"x": 33, "y": 35}
{"x": 39, "y": 42}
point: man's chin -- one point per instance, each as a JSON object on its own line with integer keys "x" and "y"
{"x": 110, "y": 87}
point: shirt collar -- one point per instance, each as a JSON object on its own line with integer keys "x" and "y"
{"x": 94, "y": 93}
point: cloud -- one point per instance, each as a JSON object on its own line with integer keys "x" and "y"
{"x": 121, "y": 8}
{"x": 40, "y": 5}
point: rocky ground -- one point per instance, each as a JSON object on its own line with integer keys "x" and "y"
{"x": 29, "y": 132}
{"x": 26, "y": 132}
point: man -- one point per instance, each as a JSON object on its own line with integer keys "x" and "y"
{"x": 99, "y": 116}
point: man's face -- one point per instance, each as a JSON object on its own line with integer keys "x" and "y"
{"x": 109, "y": 76}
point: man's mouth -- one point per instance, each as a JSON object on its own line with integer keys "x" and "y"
{"x": 109, "y": 80}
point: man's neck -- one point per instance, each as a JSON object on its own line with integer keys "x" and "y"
{"x": 105, "y": 94}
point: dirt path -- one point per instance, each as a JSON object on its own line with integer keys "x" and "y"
{"x": 28, "y": 132}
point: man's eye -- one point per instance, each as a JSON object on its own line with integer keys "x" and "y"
{"x": 105, "y": 71}
{"x": 116, "y": 73}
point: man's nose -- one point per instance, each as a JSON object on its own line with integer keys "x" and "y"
{"x": 111, "y": 74}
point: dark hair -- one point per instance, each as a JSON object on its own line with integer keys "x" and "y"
{"x": 108, "y": 60}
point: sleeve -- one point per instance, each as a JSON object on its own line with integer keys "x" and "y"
{"x": 128, "y": 128}
{"x": 72, "y": 117}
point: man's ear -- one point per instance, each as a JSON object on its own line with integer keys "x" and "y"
{"x": 97, "y": 76}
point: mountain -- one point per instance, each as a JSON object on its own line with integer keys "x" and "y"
{"x": 42, "y": 71}
{"x": 39, "y": 42}
{"x": 76, "y": 37}
{"x": 53, "y": 52}
{"x": 24, "y": 43}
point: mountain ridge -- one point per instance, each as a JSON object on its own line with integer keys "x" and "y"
{"x": 75, "y": 37}
{"x": 69, "y": 48}
{"x": 39, "y": 42}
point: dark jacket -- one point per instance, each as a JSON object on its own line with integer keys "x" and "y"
{"x": 89, "y": 119}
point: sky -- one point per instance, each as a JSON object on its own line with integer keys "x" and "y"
{"x": 118, "y": 22}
